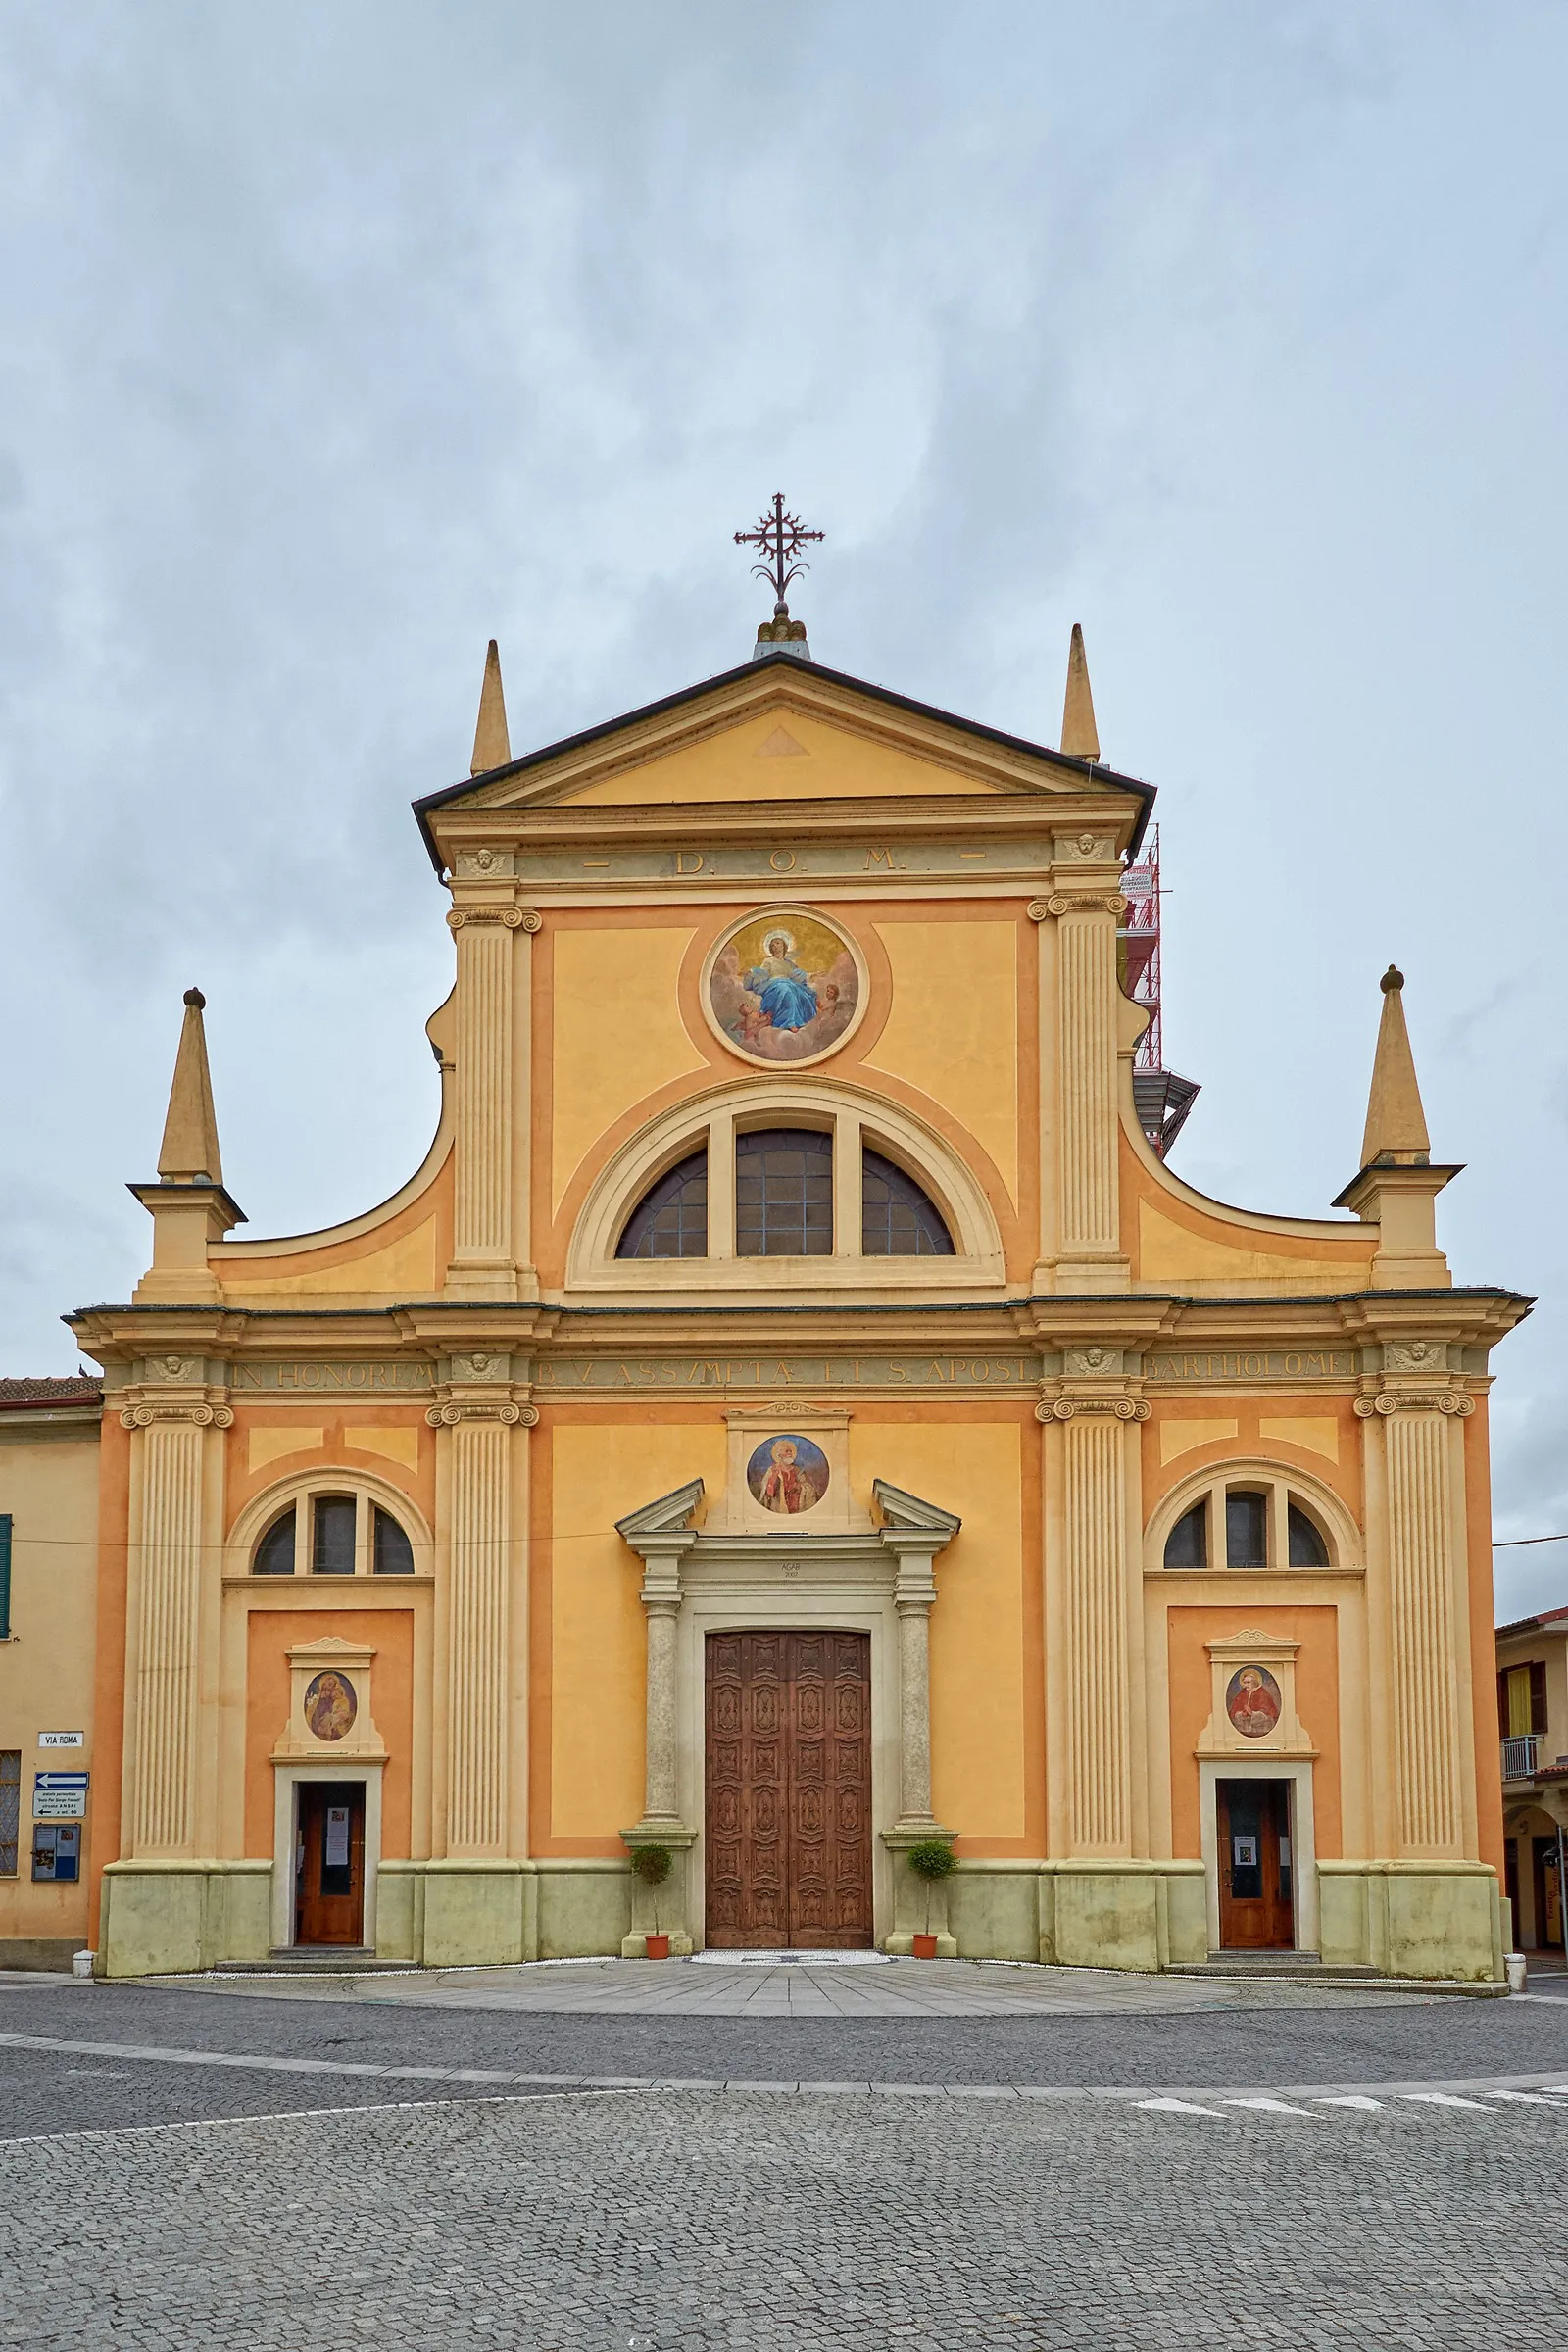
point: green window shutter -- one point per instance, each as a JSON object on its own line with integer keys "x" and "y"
{"x": 5, "y": 1575}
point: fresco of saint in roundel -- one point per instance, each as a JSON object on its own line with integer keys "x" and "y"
{"x": 1253, "y": 1702}
{"x": 787, "y": 1474}
{"x": 330, "y": 1705}
{"x": 785, "y": 988}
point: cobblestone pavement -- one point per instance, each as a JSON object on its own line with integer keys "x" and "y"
{"x": 665, "y": 2222}
{"x": 1358, "y": 2042}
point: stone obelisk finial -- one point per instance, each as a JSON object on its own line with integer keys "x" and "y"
{"x": 1080, "y": 738}
{"x": 492, "y": 746}
{"x": 1396, "y": 1123}
{"x": 190, "y": 1154}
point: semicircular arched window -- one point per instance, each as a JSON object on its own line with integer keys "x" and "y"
{"x": 897, "y": 1219}
{"x": 670, "y": 1221}
{"x": 1253, "y": 1523}
{"x": 336, "y": 1534}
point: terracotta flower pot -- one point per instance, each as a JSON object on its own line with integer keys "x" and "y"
{"x": 925, "y": 1947}
{"x": 659, "y": 1948}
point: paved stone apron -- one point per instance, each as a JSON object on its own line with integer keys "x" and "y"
{"x": 796, "y": 1989}
{"x": 675, "y": 2222}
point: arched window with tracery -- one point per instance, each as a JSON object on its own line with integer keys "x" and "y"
{"x": 670, "y": 1221}
{"x": 897, "y": 1218}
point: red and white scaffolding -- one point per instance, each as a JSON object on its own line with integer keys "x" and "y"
{"x": 1163, "y": 1099}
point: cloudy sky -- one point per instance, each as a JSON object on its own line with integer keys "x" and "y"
{"x": 337, "y": 340}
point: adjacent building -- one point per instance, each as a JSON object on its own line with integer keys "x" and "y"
{"x": 1533, "y": 1735}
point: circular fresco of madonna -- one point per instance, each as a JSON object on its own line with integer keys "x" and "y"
{"x": 784, "y": 988}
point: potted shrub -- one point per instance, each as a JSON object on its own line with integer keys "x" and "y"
{"x": 652, "y": 1864}
{"x": 931, "y": 1859}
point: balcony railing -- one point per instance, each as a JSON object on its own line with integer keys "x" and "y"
{"x": 1519, "y": 1756}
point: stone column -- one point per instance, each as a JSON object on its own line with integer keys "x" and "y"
{"x": 478, "y": 1532}
{"x": 915, "y": 1533}
{"x": 914, "y": 1593}
{"x": 661, "y": 1539}
{"x": 915, "y": 1710}
{"x": 165, "y": 1621}
{"x": 1426, "y": 1644}
{"x": 482, "y": 1255}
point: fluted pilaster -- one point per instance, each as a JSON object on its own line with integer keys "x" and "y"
{"x": 165, "y": 1623}
{"x": 478, "y": 1523}
{"x": 1098, "y": 1725}
{"x": 1088, "y": 1015}
{"x": 1424, "y": 1646}
{"x": 483, "y": 1210}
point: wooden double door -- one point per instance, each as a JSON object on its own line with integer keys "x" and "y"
{"x": 1256, "y": 1879}
{"x": 789, "y": 1790}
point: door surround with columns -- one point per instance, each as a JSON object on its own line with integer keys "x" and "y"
{"x": 878, "y": 1579}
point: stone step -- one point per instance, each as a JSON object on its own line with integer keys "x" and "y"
{"x": 328, "y": 1960}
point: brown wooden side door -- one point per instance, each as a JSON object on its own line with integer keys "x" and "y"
{"x": 789, "y": 1790}
{"x": 329, "y": 1891}
{"x": 1256, "y": 1910}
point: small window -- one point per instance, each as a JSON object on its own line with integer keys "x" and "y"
{"x": 10, "y": 1809}
{"x": 671, "y": 1218}
{"x": 394, "y": 1553}
{"x": 897, "y": 1218}
{"x": 1247, "y": 1531}
{"x": 784, "y": 1194}
{"x": 1186, "y": 1544}
{"x": 1305, "y": 1539}
{"x": 274, "y": 1554}
{"x": 332, "y": 1551}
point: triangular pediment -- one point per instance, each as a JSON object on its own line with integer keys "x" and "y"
{"x": 779, "y": 730}
{"x": 669, "y": 1515}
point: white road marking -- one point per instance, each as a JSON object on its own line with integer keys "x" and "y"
{"x": 1274, "y": 2107}
{"x": 1351, "y": 2098}
{"x": 1179, "y": 2107}
{"x": 1445, "y": 2098}
{"x": 1523, "y": 2098}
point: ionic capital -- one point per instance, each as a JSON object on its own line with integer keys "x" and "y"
{"x": 204, "y": 1416}
{"x": 1069, "y": 1408}
{"x": 447, "y": 1416}
{"x": 516, "y": 918}
{"x": 1402, "y": 1400}
{"x": 1088, "y": 902}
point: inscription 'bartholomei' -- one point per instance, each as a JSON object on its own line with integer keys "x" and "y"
{"x": 1257, "y": 1363}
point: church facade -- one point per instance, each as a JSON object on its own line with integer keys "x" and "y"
{"x": 794, "y": 1419}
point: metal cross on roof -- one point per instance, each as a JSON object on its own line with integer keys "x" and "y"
{"x": 780, "y": 538}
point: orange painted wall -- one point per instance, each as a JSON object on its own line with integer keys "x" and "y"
{"x": 269, "y": 1636}
{"x": 1317, "y": 1703}
{"x": 1343, "y": 1475}
{"x": 1019, "y": 1222}
{"x": 332, "y": 1418}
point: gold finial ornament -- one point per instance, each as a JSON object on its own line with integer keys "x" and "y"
{"x": 1080, "y": 738}
{"x": 492, "y": 746}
